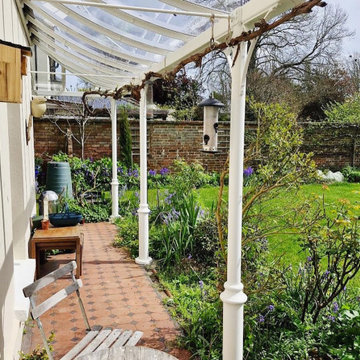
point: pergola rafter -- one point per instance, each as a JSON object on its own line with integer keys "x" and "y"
{"x": 148, "y": 24}
{"x": 80, "y": 48}
{"x": 83, "y": 58}
{"x": 77, "y": 32}
{"x": 116, "y": 34}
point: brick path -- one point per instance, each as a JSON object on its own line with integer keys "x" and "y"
{"x": 117, "y": 293}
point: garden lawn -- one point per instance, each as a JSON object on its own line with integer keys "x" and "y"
{"x": 282, "y": 245}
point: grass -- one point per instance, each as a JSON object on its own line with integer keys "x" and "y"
{"x": 282, "y": 246}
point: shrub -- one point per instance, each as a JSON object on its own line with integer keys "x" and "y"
{"x": 347, "y": 112}
{"x": 125, "y": 138}
{"x": 206, "y": 242}
{"x": 351, "y": 174}
{"x": 198, "y": 310}
{"x": 91, "y": 212}
{"x": 128, "y": 234}
{"x": 186, "y": 177}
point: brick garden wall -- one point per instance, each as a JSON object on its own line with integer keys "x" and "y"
{"x": 167, "y": 141}
{"x": 333, "y": 146}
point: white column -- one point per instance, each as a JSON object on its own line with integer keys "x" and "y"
{"x": 143, "y": 211}
{"x": 233, "y": 296}
{"x": 114, "y": 182}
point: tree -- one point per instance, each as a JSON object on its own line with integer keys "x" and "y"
{"x": 353, "y": 68}
{"x": 78, "y": 114}
{"x": 324, "y": 86}
{"x": 303, "y": 44}
{"x": 288, "y": 59}
{"x": 181, "y": 94}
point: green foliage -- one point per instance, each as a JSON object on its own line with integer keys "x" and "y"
{"x": 274, "y": 328}
{"x": 277, "y": 149}
{"x": 39, "y": 353}
{"x": 197, "y": 308}
{"x": 347, "y": 112}
{"x": 91, "y": 212}
{"x": 330, "y": 237}
{"x": 345, "y": 331}
{"x": 206, "y": 242}
{"x": 178, "y": 230}
{"x": 125, "y": 138}
{"x": 128, "y": 234}
{"x": 186, "y": 177}
{"x": 351, "y": 174}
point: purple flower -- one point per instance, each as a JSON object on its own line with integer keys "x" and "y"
{"x": 309, "y": 258}
{"x": 137, "y": 194}
{"x": 120, "y": 170}
{"x": 175, "y": 213}
{"x": 135, "y": 173}
{"x": 331, "y": 318}
{"x": 271, "y": 307}
{"x": 152, "y": 172}
{"x": 248, "y": 171}
{"x": 326, "y": 274}
{"x": 164, "y": 171}
{"x": 189, "y": 257}
{"x": 201, "y": 284}
{"x": 134, "y": 212}
{"x": 261, "y": 319}
{"x": 168, "y": 198}
{"x": 335, "y": 307}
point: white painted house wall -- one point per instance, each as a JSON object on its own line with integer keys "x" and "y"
{"x": 17, "y": 198}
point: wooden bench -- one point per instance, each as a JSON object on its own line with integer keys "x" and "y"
{"x": 96, "y": 338}
{"x": 128, "y": 353}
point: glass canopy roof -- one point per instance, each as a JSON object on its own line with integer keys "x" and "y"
{"x": 114, "y": 42}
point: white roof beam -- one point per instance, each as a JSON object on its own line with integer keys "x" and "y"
{"x": 116, "y": 34}
{"x": 74, "y": 67}
{"x": 209, "y": 13}
{"x": 77, "y": 74}
{"x": 189, "y": 6}
{"x": 151, "y": 24}
{"x": 77, "y": 58}
{"x": 102, "y": 58}
{"x": 253, "y": 11}
{"x": 79, "y": 33}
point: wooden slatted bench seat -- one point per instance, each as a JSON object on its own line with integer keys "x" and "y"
{"x": 96, "y": 338}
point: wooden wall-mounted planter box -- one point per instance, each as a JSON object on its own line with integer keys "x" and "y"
{"x": 13, "y": 62}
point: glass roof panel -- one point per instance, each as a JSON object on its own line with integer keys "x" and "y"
{"x": 116, "y": 40}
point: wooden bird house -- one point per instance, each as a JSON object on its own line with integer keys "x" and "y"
{"x": 13, "y": 64}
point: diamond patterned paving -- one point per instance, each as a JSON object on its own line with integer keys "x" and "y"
{"x": 116, "y": 293}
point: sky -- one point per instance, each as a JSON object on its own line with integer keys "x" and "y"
{"x": 352, "y": 8}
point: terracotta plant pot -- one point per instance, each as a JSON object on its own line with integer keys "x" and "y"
{"x": 45, "y": 224}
